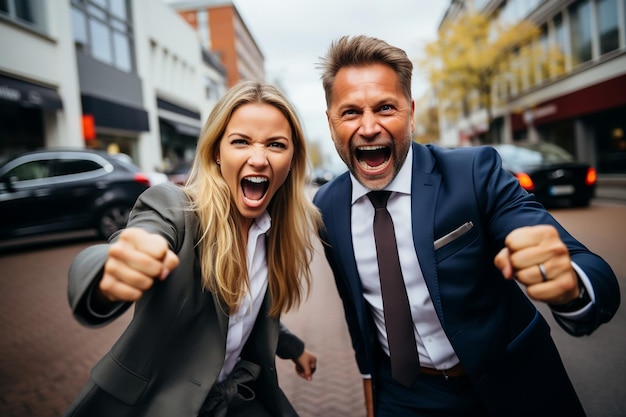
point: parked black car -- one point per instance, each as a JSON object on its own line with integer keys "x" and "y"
{"x": 549, "y": 172}
{"x": 52, "y": 190}
{"x": 324, "y": 174}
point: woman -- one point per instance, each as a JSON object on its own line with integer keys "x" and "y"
{"x": 210, "y": 267}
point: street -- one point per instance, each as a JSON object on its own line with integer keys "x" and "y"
{"x": 45, "y": 355}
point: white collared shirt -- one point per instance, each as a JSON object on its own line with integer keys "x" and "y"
{"x": 240, "y": 324}
{"x": 435, "y": 351}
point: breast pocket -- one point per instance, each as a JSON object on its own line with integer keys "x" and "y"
{"x": 454, "y": 241}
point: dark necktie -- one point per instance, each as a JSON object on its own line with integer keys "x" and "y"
{"x": 398, "y": 321}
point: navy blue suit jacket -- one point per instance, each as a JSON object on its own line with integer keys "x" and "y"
{"x": 503, "y": 342}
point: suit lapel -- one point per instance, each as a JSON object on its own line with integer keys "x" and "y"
{"x": 424, "y": 191}
{"x": 342, "y": 229}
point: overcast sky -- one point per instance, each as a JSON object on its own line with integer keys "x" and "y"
{"x": 293, "y": 34}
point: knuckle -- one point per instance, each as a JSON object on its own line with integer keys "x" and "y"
{"x": 106, "y": 284}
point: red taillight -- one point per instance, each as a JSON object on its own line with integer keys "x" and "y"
{"x": 591, "y": 176}
{"x": 142, "y": 178}
{"x": 525, "y": 181}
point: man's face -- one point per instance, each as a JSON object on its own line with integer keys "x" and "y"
{"x": 371, "y": 123}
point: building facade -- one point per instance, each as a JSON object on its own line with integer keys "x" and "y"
{"x": 224, "y": 32}
{"x": 126, "y": 76}
{"x": 583, "y": 109}
{"x": 39, "y": 89}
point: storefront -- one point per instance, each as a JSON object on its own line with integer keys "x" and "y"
{"x": 179, "y": 128}
{"x": 22, "y": 110}
{"x": 112, "y": 126}
{"x": 589, "y": 121}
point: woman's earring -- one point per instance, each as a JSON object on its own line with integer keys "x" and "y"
{"x": 218, "y": 161}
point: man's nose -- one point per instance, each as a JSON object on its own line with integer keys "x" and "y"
{"x": 370, "y": 126}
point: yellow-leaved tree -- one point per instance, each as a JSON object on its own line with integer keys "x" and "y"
{"x": 473, "y": 52}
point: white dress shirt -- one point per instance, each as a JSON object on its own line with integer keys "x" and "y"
{"x": 435, "y": 351}
{"x": 240, "y": 324}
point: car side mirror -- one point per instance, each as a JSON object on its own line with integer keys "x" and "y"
{"x": 9, "y": 183}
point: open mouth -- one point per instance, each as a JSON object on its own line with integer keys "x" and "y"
{"x": 254, "y": 188}
{"x": 373, "y": 156}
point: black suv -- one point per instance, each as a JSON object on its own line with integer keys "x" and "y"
{"x": 52, "y": 190}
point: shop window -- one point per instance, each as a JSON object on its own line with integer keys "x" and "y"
{"x": 21, "y": 129}
{"x": 610, "y": 141}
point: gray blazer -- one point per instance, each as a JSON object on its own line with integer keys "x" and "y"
{"x": 171, "y": 353}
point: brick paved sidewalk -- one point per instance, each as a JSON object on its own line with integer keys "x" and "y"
{"x": 45, "y": 355}
{"x": 336, "y": 389}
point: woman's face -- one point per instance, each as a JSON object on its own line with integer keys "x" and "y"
{"x": 255, "y": 155}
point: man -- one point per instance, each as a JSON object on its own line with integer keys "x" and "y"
{"x": 470, "y": 240}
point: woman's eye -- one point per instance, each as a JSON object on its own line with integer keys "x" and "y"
{"x": 279, "y": 145}
{"x": 238, "y": 142}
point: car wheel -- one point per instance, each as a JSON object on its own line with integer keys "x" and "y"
{"x": 112, "y": 219}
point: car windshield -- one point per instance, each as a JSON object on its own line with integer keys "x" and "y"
{"x": 534, "y": 154}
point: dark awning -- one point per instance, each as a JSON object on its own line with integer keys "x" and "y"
{"x": 183, "y": 129}
{"x": 28, "y": 94}
{"x": 115, "y": 115}
{"x": 169, "y": 106}
{"x": 183, "y": 121}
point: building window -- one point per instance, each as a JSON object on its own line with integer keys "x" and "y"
{"x": 559, "y": 33}
{"x": 580, "y": 32}
{"x": 623, "y": 22}
{"x": 27, "y": 12}
{"x": 607, "y": 25}
{"x": 104, "y": 30}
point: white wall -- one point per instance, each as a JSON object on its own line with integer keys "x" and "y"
{"x": 169, "y": 61}
{"x": 48, "y": 59}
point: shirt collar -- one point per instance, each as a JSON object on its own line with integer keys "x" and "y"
{"x": 400, "y": 184}
{"x": 261, "y": 224}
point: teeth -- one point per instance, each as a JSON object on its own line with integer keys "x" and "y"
{"x": 257, "y": 180}
{"x": 371, "y": 147}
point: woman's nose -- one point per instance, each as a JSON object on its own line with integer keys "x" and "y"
{"x": 258, "y": 157}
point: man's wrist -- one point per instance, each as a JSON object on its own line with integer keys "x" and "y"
{"x": 577, "y": 303}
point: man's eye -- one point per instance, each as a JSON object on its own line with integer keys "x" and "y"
{"x": 386, "y": 107}
{"x": 350, "y": 112}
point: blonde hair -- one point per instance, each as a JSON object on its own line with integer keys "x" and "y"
{"x": 295, "y": 218}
